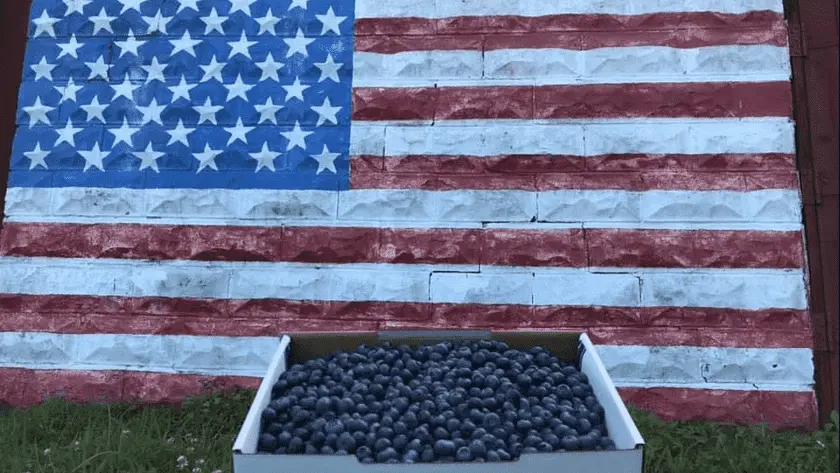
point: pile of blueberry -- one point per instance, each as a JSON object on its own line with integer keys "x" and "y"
{"x": 463, "y": 401}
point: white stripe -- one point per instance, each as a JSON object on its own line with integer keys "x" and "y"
{"x": 732, "y": 63}
{"x": 414, "y": 207}
{"x": 574, "y": 137}
{"x": 787, "y": 369}
{"x": 531, "y": 8}
{"x": 625, "y": 287}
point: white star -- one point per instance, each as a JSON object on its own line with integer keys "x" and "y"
{"x": 149, "y": 157}
{"x": 269, "y": 68}
{"x": 37, "y": 112}
{"x": 94, "y": 157}
{"x": 68, "y": 92}
{"x": 326, "y": 112}
{"x": 183, "y": 4}
{"x": 157, "y": 23}
{"x": 213, "y": 70}
{"x": 329, "y": 69}
{"x": 98, "y": 69}
{"x": 71, "y": 48}
{"x": 130, "y": 45}
{"x": 43, "y": 70}
{"x": 238, "y": 89}
{"x": 124, "y": 89}
{"x": 326, "y": 160}
{"x": 182, "y": 90}
{"x": 265, "y": 158}
{"x": 241, "y": 5}
{"x": 298, "y": 44}
{"x": 130, "y": 4}
{"x": 37, "y": 157}
{"x": 179, "y": 134}
{"x": 207, "y": 158}
{"x": 185, "y": 44}
{"x": 238, "y": 132}
{"x": 267, "y": 23}
{"x": 214, "y": 22}
{"x": 102, "y": 22}
{"x": 207, "y": 112}
{"x": 268, "y": 111}
{"x": 299, "y": 3}
{"x": 330, "y": 22}
{"x": 44, "y": 24}
{"x": 66, "y": 134}
{"x": 123, "y": 133}
{"x": 151, "y": 112}
{"x": 75, "y": 6}
{"x": 295, "y": 90}
{"x": 154, "y": 71}
{"x": 296, "y": 137}
{"x": 241, "y": 47}
{"x": 94, "y": 110}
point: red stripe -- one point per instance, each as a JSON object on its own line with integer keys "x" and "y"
{"x": 696, "y": 100}
{"x": 777, "y": 328}
{"x": 25, "y": 388}
{"x": 548, "y": 181}
{"x": 685, "y": 30}
{"x": 505, "y": 247}
{"x": 541, "y": 164}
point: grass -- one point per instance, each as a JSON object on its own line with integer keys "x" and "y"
{"x": 60, "y": 437}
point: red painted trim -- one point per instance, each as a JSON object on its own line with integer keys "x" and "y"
{"x": 503, "y": 247}
{"x": 816, "y": 80}
{"x": 696, "y": 100}
{"x": 24, "y": 388}
{"x": 593, "y": 25}
{"x": 776, "y": 328}
{"x": 14, "y": 27}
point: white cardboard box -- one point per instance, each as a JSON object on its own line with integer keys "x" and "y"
{"x": 627, "y": 458}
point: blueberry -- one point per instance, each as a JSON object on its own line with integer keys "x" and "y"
{"x": 325, "y": 450}
{"x": 584, "y": 426}
{"x": 363, "y": 452}
{"x": 381, "y": 444}
{"x": 274, "y": 428}
{"x": 267, "y": 443}
{"x": 477, "y": 448}
{"x": 411, "y": 456}
{"x": 283, "y": 438}
{"x": 463, "y": 455}
{"x": 529, "y": 450}
{"x": 386, "y": 455}
{"x": 444, "y": 448}
{"x": 346, "y": 442}
{"x": 400, "y": 442}
{"x": 296, "y": 445}
{"x": 493, "y": 456}
{"x": 427, "y": 455}
{"x": 334, "y": 427}
{"x": 570, "y": 443}
{"x": 607, "y": 443}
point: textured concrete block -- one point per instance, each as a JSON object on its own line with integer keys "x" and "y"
{"x": 535, "y": 63}
{"x": 186, "y": 203}
{"x": 370, "y": 67}
{"x": 478, "y": 206}
{"x": 581, "y": 206}
{"x": 299, "y": 283}
{"x": 369, "y": 285}
{"x": 392, "y": 205}
{"x": 180, "y": 281}
{"x": 630, "y": 61}
{"x": 19, "y": 277}
{"x": 27, "y": 201}
{"x": 620, "y": 138}
{"x": 82, "y": 201}
{"x": 367, "y": 140}
{"x": 740, "y": 289}
{"x": 753, "y": 366}
{"x": 771, "y": 135}
{"x": 737, "y": 59}
{"x": 774, "y": 205}
{"x": 649, "y": 365}
{"x": 287, "y": 204}
{"x": 484, "y": 288}
{"x": 219, "y": 355}
{"x": 692, "y": 206}
{"x": 35, "y": 348}
{"x": 122, "y": 351}
{"x": 582, "y": 288}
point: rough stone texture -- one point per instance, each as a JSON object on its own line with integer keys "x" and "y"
{"x": 299, "y": 284}
{"x": 165, "y": 202}
{"x": 36, "y": 279}
{"x": 503, "y": 287}
{"x": 27, "y": 201}
{"x": 742, "y": 365}
{"x": 31, "y": 348}
{"x": 411, "y": 205}
{"x": 755, "y": 136}
{"x": 230, "y": 355}
{"x": 687, "y": 206}
{"x": 122, "y": 352}
{"x": 369, "y": 285}
{"x": 80, "y": 201}
{"x": 179, "y": 281}
{"x": 642, "y": 363}
{"x": 507, "y": 63}
{"x": 581, "y": 206}
{"x": 582, "y": 288}
{"x": 534, "y": 248}
{"x": 417, "y": 65}
{"x": 619, "y": 138}
{"x": 627, "y": 62}
{"x": 367, "y": 139}
{"x": 414, "y": 246}
{"x": 756, "y": 59}
{"x": 704, "y": 289}
{"x": 286, "y": 204}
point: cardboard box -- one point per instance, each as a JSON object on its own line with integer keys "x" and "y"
{"x": 627, "y": 458}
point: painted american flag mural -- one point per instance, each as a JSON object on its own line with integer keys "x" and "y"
{"x": 189, "y": 178}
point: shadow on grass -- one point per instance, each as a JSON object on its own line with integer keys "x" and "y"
{"x": 63, "y": 437}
